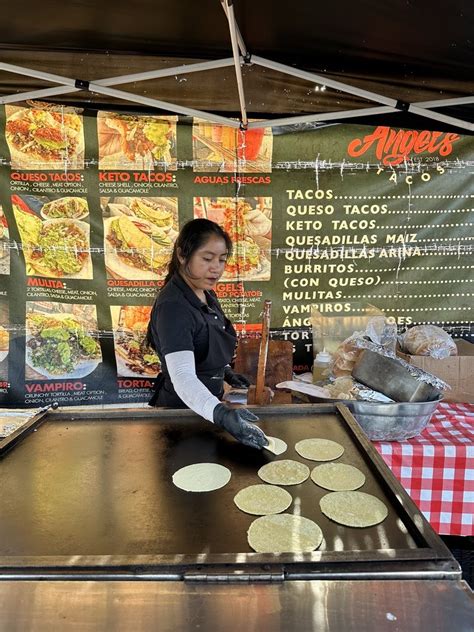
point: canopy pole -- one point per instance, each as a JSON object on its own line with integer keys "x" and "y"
{"x": 437, "y": 116}
{"x": 37, "y": 74}
{"x": 109, "y": 81}
{"x": 70, "y": 85}
{"x": 325, "y": 81}
{"x": 162, "y": 105}
{"x": 243, "y": 49}
{"x": 442, "y": 103}
{"x": 167, "y": 72}
{"x": 38, "y": 94}
{"x": 238, "y": 71}
{"x": 326, "y": 116}
{"x": 371, "y": 96}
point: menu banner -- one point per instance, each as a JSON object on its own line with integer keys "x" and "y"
{"x": 337, "y": 217}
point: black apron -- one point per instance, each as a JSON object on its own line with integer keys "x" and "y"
{"x": 222, "y": 343}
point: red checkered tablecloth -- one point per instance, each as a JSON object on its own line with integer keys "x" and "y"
{"x": 437, "y": 468}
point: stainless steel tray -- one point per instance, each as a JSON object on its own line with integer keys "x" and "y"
{"x": 90, "y": 494}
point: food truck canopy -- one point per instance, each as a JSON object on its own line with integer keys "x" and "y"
{"x": 407, "y": 51}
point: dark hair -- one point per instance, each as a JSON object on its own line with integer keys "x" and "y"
{"x": 192, "y": 236}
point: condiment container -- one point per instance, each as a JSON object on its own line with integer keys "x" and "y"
{"x": 321, "y": 364}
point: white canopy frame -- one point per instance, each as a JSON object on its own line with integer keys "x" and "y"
{"x": 386, "y": 105}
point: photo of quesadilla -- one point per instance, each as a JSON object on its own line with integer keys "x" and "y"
{"x": 44, "y": 139}
{"x": 135, "y": 248}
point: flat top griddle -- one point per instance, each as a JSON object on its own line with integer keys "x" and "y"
{"x": 98, "y": 490}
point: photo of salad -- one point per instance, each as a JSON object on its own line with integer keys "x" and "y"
{"x": 54, "y": 248}
{"x": 61, "y": 340}
{"x": 132, "y": 141}
{"x": 230, "y": 149}
{"x": 248, "y": 221}
{"x": 134, "y": 357}
{"x": 44, "y": 137}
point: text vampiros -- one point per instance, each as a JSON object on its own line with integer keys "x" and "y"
{"x": 392, "y": 147}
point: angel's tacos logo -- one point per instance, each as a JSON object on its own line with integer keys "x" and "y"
{"x": 393, "y": 146}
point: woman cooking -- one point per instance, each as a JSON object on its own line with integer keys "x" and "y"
{"x": 193, "y": 338}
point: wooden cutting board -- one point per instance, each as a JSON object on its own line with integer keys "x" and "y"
{"x": 279, "y": 366}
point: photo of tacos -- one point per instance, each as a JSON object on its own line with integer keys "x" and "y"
{"x": 132, "y": 141}
{"x": 44, "y": 138}
{"x": 135, "y": 248}
{"x": 230, "y": 149}
{"x": 134, "y": 357}
{"x": 4, "y": 244}
{"x": 248, "y": 221}
{"x": 55, "y": 248}
{"x": 61, "y": 340}
{"x": 65, "y": 207}
{"x": 162, "y": 212}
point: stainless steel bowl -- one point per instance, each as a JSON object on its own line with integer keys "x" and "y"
{"x": 392, "y": 422}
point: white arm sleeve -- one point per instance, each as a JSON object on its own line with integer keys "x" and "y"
{"x": 182, "y": 371}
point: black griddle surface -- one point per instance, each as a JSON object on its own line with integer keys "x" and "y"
{"x": 104, "y": 487}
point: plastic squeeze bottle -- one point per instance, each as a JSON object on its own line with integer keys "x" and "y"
{"x": 321, "y": 366}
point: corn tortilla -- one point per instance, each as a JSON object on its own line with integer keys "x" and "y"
{"x": 201, "y": 477}
{"x": 353, "y": 509}
{"x": 337, "y": 477}
{"x": 284, "y": 533}
{"x": 276, "y": 446}
{"x": 262, "y": 500}
{"x": 284, "y": 472}
{"x": 319, "y": 449}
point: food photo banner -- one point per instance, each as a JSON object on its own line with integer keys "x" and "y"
{"x": 329, "y": 218}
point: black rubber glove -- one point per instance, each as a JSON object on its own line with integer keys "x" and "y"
{"x": 237, "y": 423}
{"x": 236, "y": 380}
